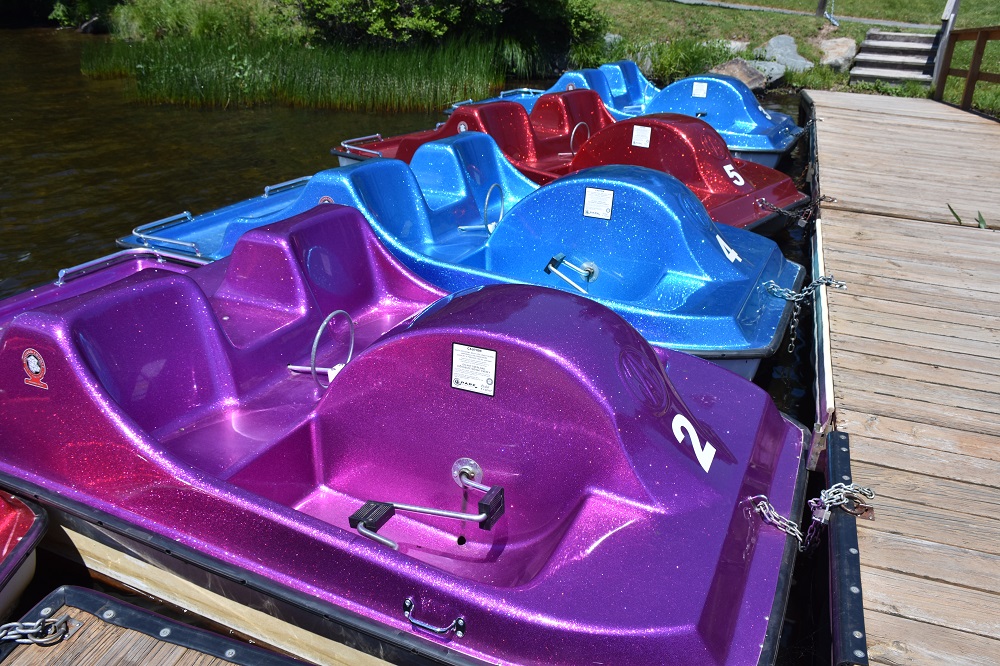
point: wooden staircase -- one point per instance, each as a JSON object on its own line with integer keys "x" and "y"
{"x": 895, "y": 57}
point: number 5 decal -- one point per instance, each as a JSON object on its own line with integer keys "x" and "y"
{"x": 705, "y": 454}
{"x": 730, "y": 253}
{"x": 734, "y": 175}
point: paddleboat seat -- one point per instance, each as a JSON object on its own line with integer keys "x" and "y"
{"x": 200, "y": 361}
{"x": 632, "y": 90}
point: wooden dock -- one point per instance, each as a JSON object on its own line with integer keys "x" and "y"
{"x": 914, "y": 355}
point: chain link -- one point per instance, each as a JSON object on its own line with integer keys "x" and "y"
{"x": 45, "y": 631}
{"x": 803, "y": 216}
{"x": 837, "y": 495}
{"x": 797, "y": 299}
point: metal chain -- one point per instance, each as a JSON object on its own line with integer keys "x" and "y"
{"x": 837, "y": 495}
{"x": 797, "y": 299}
{"x": 44, "y": 631}
{"x": 802, "y": 217}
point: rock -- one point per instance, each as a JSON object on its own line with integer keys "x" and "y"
{"x": 838, "y": 53}
{"x": 610, "y": 39}
{"x": 772, "y": 71}
{"x": 782, "y": 49}
{"x": 742, "y": 70}
{"x": 736, "y": 46}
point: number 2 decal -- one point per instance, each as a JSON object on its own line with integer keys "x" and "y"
{"x": 730, "y": 253}
{"x": 705, "y": 454}
{"x": 734, "y": 175}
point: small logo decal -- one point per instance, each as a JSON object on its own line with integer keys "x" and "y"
{"x": 463, "y": 126}
{"x": 34, "y": 367}
{"x": 326, "y": 199}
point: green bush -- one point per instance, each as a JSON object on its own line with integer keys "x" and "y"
{"x": 139, "y": 20}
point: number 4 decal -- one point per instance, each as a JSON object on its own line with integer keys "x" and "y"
{"x": 730, "y": 253}
{"x": 734, "y": 175}
{"x": 705, "y": 454}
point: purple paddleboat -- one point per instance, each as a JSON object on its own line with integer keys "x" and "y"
{"x": 510, "y": 474}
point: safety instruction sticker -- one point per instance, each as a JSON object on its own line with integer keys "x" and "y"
{"x": 473, "y": 369}
{"x": 640, "y": 136}
{"x": 699, "y": 89}
{"x": 597, "y": 203}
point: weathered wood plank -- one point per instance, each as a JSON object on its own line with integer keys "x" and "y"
{"x": 919, "y": 411}
{"x": 921, "y": 558}
{"x": 921, "y": 460}
{"x": 921, "y": 436}
{"x": 946, "y": 398}
{"x": 965, "y": 277}
{"x": 932, "y": 490}
{"x": 975, "y": 325}
{"x": 900, "y": 641}
{"x": 915, "y": 371}
{"x": 932, "y": 602}
{"x": 919, "y": 341}
{"x": 908, "y": 291}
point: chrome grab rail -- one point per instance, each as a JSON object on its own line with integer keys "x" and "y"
{"x": 335, "y": 370}
{"x": 348, "y": 144}
{"x": 521, "y": 91}
{"x": 287, "y": 185}
{"x": 490, "y": 226}
{"x": 455, "y": 105}
{"x": 142, "y": 231}
{"x": 588, "y": 271}
{"x": 457, "y": 625}
{"x": 67, "y": 274}
{"x": 370, "y": 518}
{"x": 572, "y": 137}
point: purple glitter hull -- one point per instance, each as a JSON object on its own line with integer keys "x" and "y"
{"x": 162, "y": 400}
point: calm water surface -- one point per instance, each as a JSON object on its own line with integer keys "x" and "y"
{"x": 80, "y": 166}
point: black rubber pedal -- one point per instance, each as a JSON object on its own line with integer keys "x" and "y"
{"x": 373, "y": 514}
{"x": 492, "y": 505}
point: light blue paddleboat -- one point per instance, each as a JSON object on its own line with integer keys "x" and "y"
{"x": 634, "y": 239}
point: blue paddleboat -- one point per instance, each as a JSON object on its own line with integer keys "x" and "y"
{"x": 461, "y": 216}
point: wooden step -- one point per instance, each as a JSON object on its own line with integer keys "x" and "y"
{"x": 891, "y": 76}
{"x": 888, "y": 61}
{"x": 896, "y": 48}
{"x": 878, "y": 35}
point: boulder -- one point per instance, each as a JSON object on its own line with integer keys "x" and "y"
{"x": 838, "y": 53}
{"x": 742, "y": 70}
{"x": 736, "y": 46}
{"x": 782, "y": 49}
{"x": 772, "y": 71}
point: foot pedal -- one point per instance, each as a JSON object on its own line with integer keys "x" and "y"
{"x": 373, "y": 515}
{"x": 492, "y": 505}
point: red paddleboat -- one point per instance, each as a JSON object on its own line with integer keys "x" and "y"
{"x": 569, "y": 131}
{"x": 22, "y": 526}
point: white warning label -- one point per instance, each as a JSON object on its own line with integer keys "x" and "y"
{"x": 473, "y": 369}
{"x": 699, "y": 89}
{"x": 640, "y": 136}
{"x": 597, "y": 203}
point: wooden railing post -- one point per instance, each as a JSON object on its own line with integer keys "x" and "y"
{"x": 942, "y": 68}
{"x": 973, "y": 75}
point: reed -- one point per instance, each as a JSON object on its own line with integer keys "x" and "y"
{"x": 214, "y": 73}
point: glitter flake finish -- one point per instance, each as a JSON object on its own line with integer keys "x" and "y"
{"x": 626, "y": 537}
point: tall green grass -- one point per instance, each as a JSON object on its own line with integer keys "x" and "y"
{"x": 213, "y": 73}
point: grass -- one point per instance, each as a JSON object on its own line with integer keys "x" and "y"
{"x": 655, "y": 21}
{"x": 211, "y": 73}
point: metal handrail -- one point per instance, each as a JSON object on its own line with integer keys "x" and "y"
{"x": 287, "y": 185}
{"x": 78, "y": 271}
{"x": 141, "y": 232}
{"x": 348, "y": 144}
{"x": 948, "y": 18}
